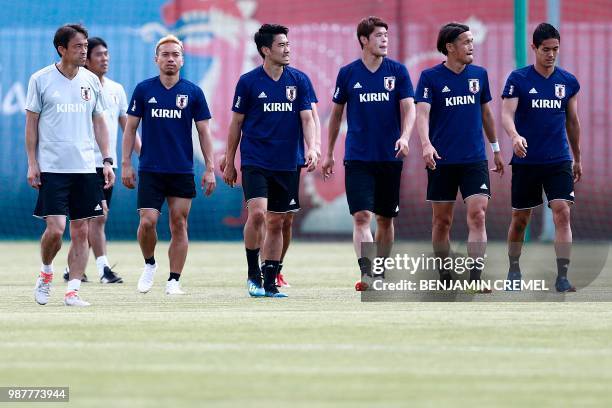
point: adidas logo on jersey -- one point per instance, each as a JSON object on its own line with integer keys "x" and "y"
{"x": 98, "y": 208}
{"x": 55, "y": 94}
{"x": 152, "y": 100}
{"x": 484, "y": 187}
{"x": 572, "y": 194}
{"x": 445, "y": 89}
{"x": 292, "y": 202}
{"x": 533, "y": 91}
{"x": 262, "y": 95}
{"x": 357, "y": 86}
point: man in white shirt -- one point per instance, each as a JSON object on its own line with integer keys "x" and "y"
{"x": 64, "y": 121}
{"x": 115, "y": 116}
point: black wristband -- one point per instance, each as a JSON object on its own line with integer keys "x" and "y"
{"x": 108, "y": 160}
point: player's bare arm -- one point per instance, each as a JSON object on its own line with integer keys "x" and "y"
{"x": 206, "y": 145}
{"x": 408, "y": 116}
{"x": 101, "y": 134}
{"x": 572, "y": 125}
{"x": 137, "y": 142}
{"x": 309, "y": 129}
{"x": 128, "y": 177}
{"x": 317, "y": 122}
{"x": 233, "y": 139}
{"x": 519, "y": 143}
{"x": 335, "y": 120}
{"x": 422, "y": 123}
{"x": 488, "y": 124}
{"x": 31, "y": 141}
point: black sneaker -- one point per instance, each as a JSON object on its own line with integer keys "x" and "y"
{"x": 110, "y": 276}
{"x": 67, "y": 277}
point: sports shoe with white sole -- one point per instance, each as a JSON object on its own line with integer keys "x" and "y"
{"x": 173, "y": 288}
{"x": 110, "y": 276}
{"x": 42, "y": 290}
{"x": 72, "y": 299}
{"x": 145, "y": 282}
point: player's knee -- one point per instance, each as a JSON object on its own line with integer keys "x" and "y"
{"x": 55, "y": 232}
{"x": 561, "y": 216}
{"x": 362, "y": 218}
{"x": 519, "y": 223}
{"x": 442, "y": 222}
{"x": 274, "y": 222}
{"x": 288, "y": 222}
{"x": 78, "y": 232}
{"x": 148, "y": 223}
{"x": 257, "y": 217}
{"x": 476, "y": 218}
{"x": 384, "y": 222}
{"x": 178, "y": 225}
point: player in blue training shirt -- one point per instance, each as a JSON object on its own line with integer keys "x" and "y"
{"x": 271, "y": 108}
{"x": 380, "y": 114}
{"x": 294, "y": 203}
{"x": 540, "y": 114}
{"x": 167, "y": 105}
{"x": 452, "y": 110}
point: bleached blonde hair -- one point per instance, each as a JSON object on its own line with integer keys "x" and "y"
{"x": 168, "y": 39}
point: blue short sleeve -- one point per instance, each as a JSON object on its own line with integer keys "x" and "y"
{"x": 424, "y": 90}
{"x": 404, "y": 84}
{"x": 241, "y": 97}
{"x": 136, "y": 107}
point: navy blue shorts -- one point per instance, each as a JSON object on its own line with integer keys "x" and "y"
{"x": 373, "y": 186}
{"x": 469, "y": 178}
{"x": 528, "y": 181}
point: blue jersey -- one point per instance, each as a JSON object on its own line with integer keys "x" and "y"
{"x": 312, "y": 96}
{"x": 540, "y": 114}
{"x": 167, "y": 116}
{"x": 373, "y": 108}
{"x": 455, "y": 118}
{"x": 272, "y": 124}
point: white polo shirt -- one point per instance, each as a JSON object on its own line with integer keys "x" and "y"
{"x": 65, "y": 128}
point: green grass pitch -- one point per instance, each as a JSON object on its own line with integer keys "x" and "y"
{"x": 321, "y": 347}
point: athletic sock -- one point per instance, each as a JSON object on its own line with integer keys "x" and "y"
{"x": 150, "y": 261}
{"x": 475, "y": 273}
{"x": 562, "y": 267}
{"x": 175, "y": 276}
{"x": 365, "y": 266}
{"x": 252, "y": 255}
{"x": 101, "y": 262}
{"x": 280, "y": 266}
{"x": 270, "y": 270}
{"x": 514, "y": 263}
{"x": 47, "y": 268}
{"x": 73, "y": 285}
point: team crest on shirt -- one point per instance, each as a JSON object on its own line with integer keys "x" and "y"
{"x": 181, "y": 101}
{"x": 474, "y": 85}
{"x": 560, "y": 91}
{"x": 85, "y": 93}
{"x": 389, "y": 83}
{"x": 291, "y": 92}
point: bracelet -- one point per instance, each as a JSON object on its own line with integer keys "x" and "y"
{"x": 495, "y": 147}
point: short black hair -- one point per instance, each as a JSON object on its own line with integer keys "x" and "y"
{"x": 543, "y": 32}
{"x": 367, "y": 26}
{"x": 448, "y": 34}
{"x": 65, "y": 33}
{"x": 264, "y": 37}
{"x": 94, "y": 42}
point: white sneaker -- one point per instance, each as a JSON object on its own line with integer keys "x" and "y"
{"x": 42, "y": 290}
{"x": 173, "y": 288}
{"x": 72, "y": 299}
{"x": 145, "y": 283}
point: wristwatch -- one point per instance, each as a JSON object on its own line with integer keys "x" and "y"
{"x": 108, "y": 160}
